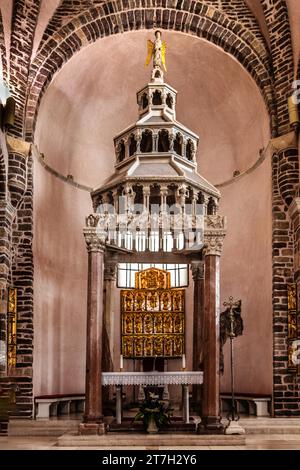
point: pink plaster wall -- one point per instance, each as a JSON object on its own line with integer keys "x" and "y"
{"x": 246, "y": 274}
{"x": 60, "y": 265}
{"x": 88, "y": 102}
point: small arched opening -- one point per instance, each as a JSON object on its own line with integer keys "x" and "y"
{"x": 178, "y": 144}
{"x": 156, "y": 98}
{"x": 163, "y": 141}
{"x": 146, "y": 142}
{"x": 132, "y": 145}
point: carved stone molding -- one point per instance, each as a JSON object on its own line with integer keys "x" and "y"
{"x": 197, "y": 269}
{"x": 214, "y": 222}
{"x": 94, "y": 239}
{"x": 214, "y": 234}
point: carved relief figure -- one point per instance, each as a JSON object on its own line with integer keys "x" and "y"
{"x": 165, "y": 300}
{"x": 127, "y": 325}
{"x": 148, "y": 325}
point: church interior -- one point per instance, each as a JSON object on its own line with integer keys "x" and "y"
{"x": 150, "y": 223}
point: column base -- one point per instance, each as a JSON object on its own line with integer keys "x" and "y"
{"x": 234, "y": 428}
{"x": 88, "y": 429}
{"x": 210, "y": 425}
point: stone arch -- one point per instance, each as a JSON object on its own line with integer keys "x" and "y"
{"x": 146, "y": 141}
{"x": 3, "y": 49}
{"x": 163, "y": 141}
{"x": 178, "y": 144}
{"x": 170, "y": 101}
{"x": 132, "y": 145}
{"x": 2, "y": 178}
{"x": 144, "y": 101}
{"x": 190, "y": 18}
{"x": 156, "y": 98}
{"x": 121, "y": 151}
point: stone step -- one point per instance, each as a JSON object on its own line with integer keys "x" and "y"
{"x": 271, "y": 425}
{"x": 117, "y": 440}
{"x": 47, "y": 427}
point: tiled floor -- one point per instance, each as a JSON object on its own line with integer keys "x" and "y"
{"x": 253, "y": 442}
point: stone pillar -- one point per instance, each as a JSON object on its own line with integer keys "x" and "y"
{"x": 7, "y": 214}
{"x": 110, "y": 275}
{"x": 294, "y": 213}
{"x": 146, "y": 197}
{"x": 198, "y": 303}
{"x": 286, "y": 266}
{"x": 93, "y": 418}
{"x": 214, "y": 234}
{"x": 155, "y": 142}
{"x": 163, "y": 198}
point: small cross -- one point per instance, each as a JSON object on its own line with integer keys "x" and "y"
{"x": 231, "y": 303}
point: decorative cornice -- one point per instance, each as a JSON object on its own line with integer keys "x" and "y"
{"x": 214, "y": 234}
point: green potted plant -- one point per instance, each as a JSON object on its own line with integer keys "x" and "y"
{"x": 154, "y": 412}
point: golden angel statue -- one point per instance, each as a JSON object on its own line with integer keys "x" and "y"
{"x": 157, "y": 50}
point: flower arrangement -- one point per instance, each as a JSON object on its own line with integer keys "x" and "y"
{"x": 154, "y": 412}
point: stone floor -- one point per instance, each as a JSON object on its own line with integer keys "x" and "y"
{"x": 253, "y": 442}
{"x": 261, "y": 434}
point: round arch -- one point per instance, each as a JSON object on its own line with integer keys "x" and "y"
{"x": 201, "y": 21}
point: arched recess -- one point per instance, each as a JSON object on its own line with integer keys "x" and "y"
{"x": 198, "y": 20}
{"x": 53, "y": 219}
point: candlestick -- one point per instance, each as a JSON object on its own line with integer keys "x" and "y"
{"x": 183, "y": 361}
{"x": 121, "y": 362}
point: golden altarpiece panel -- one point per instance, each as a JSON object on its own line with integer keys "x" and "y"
{"x": 152, "y": 317}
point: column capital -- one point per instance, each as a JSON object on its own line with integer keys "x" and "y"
{"x": 214, "y": 234}
{"x": 110, "y": 270}
{"x": 19, "y": 146}
{"x": 146, "y": 189}
{"x": 94, "y": 239}
{"x": 197, "y": 268}
{"x": 283, "y": 142}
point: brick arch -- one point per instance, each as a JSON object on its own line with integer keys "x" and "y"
{"x": 3, "y": 49}
{"x": 200, "y": 20}
{"x": 2, "y": 177}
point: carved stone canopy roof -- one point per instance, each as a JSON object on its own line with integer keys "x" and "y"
{"x": 157, "y": 148}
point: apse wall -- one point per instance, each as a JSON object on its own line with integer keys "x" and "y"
{"x": 60, "y": 279}
{"x": 89, "y": 101}
{"x": 246, "y": 274}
